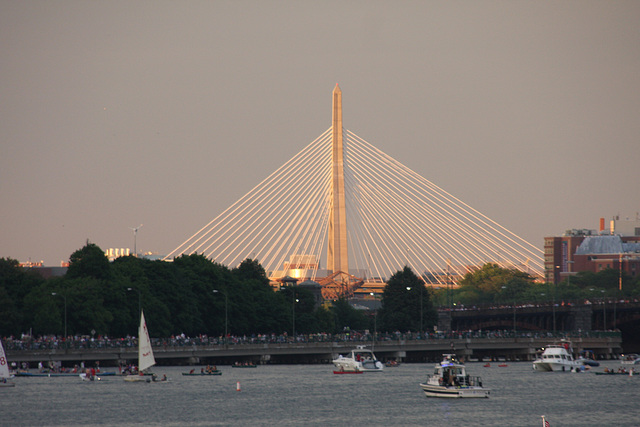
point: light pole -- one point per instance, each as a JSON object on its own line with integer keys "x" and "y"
{"x": 514, "y": 309}
{"x": 615, "y": 293}
{"x": 375, "y": 321}
{"x": 293, "y": 308}
{"x": 135, "y": 237}
{"x": 65, "y": 313}
{"x": 139, "y": 300}
{"x": 421, "y": 288}
{"x": 569, "y": 273}
{"x": 226, "y": 312}
{"x": 604, "y": 311}
{"x": 553, "y": 299}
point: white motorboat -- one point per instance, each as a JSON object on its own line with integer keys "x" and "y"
{"x": 630, "y": 359}
{"x": 145, "y": 353}
{"x": 557, "y": 357}
{"x": 450, "y": 380}
{"x": 359, "y": 359}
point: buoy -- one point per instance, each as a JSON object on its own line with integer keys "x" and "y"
{"x": 238, "y": 386}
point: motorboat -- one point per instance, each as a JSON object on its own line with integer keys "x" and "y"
{"x": 450, "y": 380}
{"x": 587, "y": 358}
{"x": 556, "y": 357}
{"x": 359, "y": 359}
{"x": 630, "y": 359}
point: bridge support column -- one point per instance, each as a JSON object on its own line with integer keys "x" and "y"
{"x": 399, "y": 355}
{"x": 444, "y": 321}
{"x": 580, "y": 318}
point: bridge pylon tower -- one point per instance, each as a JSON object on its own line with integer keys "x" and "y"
{"x": 337, "y": 248}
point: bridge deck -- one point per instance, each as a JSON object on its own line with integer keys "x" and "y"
{"x": 518, "y": 348}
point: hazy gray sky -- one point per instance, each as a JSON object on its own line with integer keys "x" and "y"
{"x": 119, "y": 113}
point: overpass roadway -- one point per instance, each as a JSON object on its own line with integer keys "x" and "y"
{"x": 416, "y": 351}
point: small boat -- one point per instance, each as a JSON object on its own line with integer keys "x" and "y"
{"x": 199, "y": 374}
{"x": 89, "y": 377}
{"x": 391, "y": 364}
{"x": 243, "y": 365}
{"x": 46, "y": 374}
{"x": 630, "y": 359}
{"x": 4, "y": 369}
{"x": 359, "y": 359}
{"x": 556, "y": 358}
{"x": 145, "y": 354}
{"x": 502, "y": 365}
{"x": 620, "y": 371}
{"x": 450, "y": 380}
{"x": 587, "y": 358}
{"x": 487, "y": 365}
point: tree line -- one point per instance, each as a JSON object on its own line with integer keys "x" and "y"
{"x": 194, "y": 295}
{"x": 191, "y": 295}
{"x": 494, "y": 285}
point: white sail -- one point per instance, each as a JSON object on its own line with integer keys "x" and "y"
{"x": 145, "y": 352}
{"x": 4, "y": 364}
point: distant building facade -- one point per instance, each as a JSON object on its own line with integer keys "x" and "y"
{"x": 616, "y": 247}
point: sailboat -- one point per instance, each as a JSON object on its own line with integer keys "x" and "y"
{"x": 145, "y": 352}
{"x": 4, "y": 369}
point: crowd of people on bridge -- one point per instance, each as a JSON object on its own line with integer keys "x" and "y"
{"x": 52, "y": 342}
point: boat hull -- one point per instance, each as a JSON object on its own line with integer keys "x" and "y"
{"x": 455, "y": 392}
{"x": 554, "y": 367}
{"x": 352, "y": 365}
{"x": 137, "y": 379}
{"x": 201, "y": 374}
{"x": 629, "y": 374}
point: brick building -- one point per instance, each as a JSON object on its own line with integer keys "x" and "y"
{"x": 590, "y": 250}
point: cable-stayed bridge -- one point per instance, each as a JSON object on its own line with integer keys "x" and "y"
{"x": 343, "y": 211}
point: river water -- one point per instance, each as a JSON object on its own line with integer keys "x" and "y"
{"x": 293, "y": 395}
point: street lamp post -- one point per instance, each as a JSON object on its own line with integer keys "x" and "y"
{"x": 421, "y": 289}
{"x": 604, "y": 311}
{"x": 226, "y": 312}
{"x": 139, "y": 300}
{"x": 293, "y": 308}
{"x": 514, "y": 310}
{"x": 375, "y": 321}
{"x": 65, "y": 313}
{"x": 553, "y": 299}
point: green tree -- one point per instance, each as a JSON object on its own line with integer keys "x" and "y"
{"x": 15, "y": 284}
{"x": 400, "y": 309}
{"x": 492, "y": 284}
{"x": 346, "y": 317}
{"x": 89, "y": 261}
